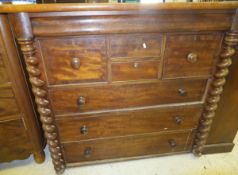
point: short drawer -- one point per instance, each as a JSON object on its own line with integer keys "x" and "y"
{"x": 125, "y": 147}
{"x": 135, "y": 70}
{"x": 14, "y": 142}
{"x": 190, "y": 55}
{"x": 135, "y": 45}
{"x": 72, "y": 60}
{"x": 75, "y": 99}
{"x": 112, "y": 124}
{"x": 8, "y": 104}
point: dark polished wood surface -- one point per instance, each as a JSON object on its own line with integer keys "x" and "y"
{"x": 139, "y": 145}
{"x": 111, "y": 124}
{"x": 65, "y": 100}
{"x": 95, "y": 68}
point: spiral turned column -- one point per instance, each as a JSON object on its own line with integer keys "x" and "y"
{"x": 215, "y": 91}
{"x": 46, "y": 118}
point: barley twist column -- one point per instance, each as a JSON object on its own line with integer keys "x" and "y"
{"x": 215, "y": 91}
{"x": 21, "y": 23}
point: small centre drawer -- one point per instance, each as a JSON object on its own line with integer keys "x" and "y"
{"x": 136, "y": 70}
{"x": 76, "y": 99}
{"x": 113, "y": 124}
{"x": 135, "y": 45}
{"x": 191, "y": 55}
{"x": 73, "y": 60}
{"x": 130, "y": 146}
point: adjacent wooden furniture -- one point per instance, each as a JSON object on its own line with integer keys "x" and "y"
{"x": 115, "y": 82}
{"x": 20, "y": 133}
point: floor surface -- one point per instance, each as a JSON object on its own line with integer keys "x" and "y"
{"x": 185, "y": 164}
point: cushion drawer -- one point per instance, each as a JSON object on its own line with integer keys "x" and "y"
{"x": 71, "y": 60}
{"x": 112, "y": 124}
{"x": 8, "y": 104}
{"x": 135, "y": 70}
{"x": 190, "y": 55}
{"x": 13, "y": 140}
{"x": 130, "y": 146}
{"x": 73, "y": 99}
{"x": 135, "y": 45}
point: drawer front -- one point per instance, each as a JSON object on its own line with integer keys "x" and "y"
{"x": 134, "y": 70}
{"x": 131, "y": 146}
{"x": 8, "y": 104}
{"x": 81, "y": 99}
{"x": 14, "y": 142}
{"x": 71, "y": 60}
{"x": 114, "y": 124}
{"x": 135, "y": 45}
{"x": 190, "y": 55}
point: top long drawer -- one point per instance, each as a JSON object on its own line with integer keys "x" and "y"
{"x": 75, "y": 99}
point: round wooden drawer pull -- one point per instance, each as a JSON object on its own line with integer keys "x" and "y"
{"x": 75, "y": 63}
{"x": 192, "y": 57}
{"x": 178, "y": 120}
{"x": 81, "y": 100}
{"x": 84, "y": 130}
{"x": 182, "y": 92}
{"x": 144, "y": 45}
{"x": 136, "y": 65}
{"x": 172, "y": 143}
{"x": 88, "y": 152}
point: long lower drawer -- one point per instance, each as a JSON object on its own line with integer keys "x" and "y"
{"x": 125, "y": 147}
{"x": 111, "y": 124}
{"x": 77, "y": 99}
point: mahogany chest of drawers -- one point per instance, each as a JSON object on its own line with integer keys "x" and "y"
{"x": 20, "y": 130}
{"x": 115, "y": 82}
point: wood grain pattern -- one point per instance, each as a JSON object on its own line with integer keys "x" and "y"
{"x": 140, "y": 22}
{"x": 131, "y": 146}
{"x": 13, "y": 141}
{"x": 205, "y": 46}
{"x": 119, "y": 7}
{"x": 8, "y": 104}
{"x": 136, "y": 70}
{"x": 104, "y": 97}
{"x": 3, "y": 76}
{"x": 58, "y": 54}
{"x": 135, "y": 45}
{"x": 112, "y": 124}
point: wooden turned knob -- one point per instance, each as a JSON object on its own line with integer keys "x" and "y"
{"x": 192, "y": 58}
{"x": 172, "y": 143}
{"x": 75, "y": 63}
{"x": 84, "y": 130}
{"x": 88, "y": 152}
{"x": 136, "y": 65}
{"x": 178, "y": 120}
{"x": 81, "y": 100}
{"x": 144, "y": 45}
{"x": 182, "y": 92}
